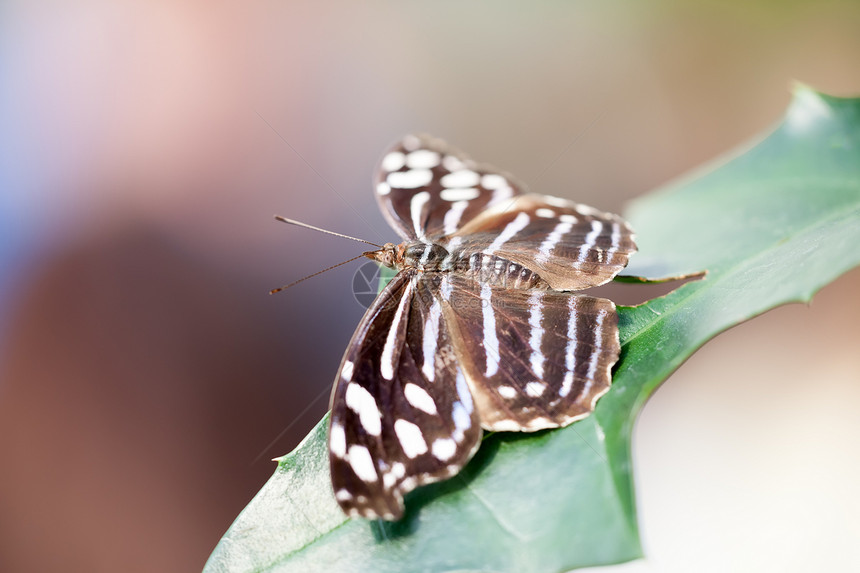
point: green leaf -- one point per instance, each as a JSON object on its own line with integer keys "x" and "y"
{"x": 771, "y": 226}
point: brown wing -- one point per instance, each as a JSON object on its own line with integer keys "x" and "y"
{"x": 402, "y": 414}
{"x": 534, "y": 358}
{"x": 571, "y": 246}
{"x": 427, "y": 189}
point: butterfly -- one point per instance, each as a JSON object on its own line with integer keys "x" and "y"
{"x": 478, "y": 330}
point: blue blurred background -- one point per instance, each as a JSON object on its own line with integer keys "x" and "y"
{"x": 146, "y": 378}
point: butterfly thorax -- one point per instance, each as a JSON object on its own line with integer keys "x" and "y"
{"x": 480, "y": 266}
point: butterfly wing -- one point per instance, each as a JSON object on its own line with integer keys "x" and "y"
{"x": 534, "y": 358}
{"x": 402, "y": 414}
{"x": 438, "y": 356}
{"x": 569, "y": 245}
{"x": 427, "y": 189}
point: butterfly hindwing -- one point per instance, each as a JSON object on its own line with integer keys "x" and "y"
{"x": 402, "y": 413}
{"x": 427, "y": 189}
{"x": 534, "y": 358}
{"x": 571, "y": 246}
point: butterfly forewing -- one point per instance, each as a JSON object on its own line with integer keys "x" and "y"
{"x": 402, "y": 413}
{"x": 571, "y": 246}
{"x": 427, "y": 189}
{"x": 534, "y": 358}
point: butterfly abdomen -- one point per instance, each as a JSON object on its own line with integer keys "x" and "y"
{"x": 494, "y": 270}
{"x": 486, "y": 268}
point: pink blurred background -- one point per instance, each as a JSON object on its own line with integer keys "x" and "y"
{"x": 146, "y": 379}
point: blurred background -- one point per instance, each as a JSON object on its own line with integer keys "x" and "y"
{"x": 146, "y": 378}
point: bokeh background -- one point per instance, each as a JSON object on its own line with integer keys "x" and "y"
{"x": 146, "y": 379}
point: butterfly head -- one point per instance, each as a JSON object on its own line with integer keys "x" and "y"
{"x": 390, "y": 255}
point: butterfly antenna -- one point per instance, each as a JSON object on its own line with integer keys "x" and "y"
{"x": 300, "y": 224}
{"x": 279, "y": 289}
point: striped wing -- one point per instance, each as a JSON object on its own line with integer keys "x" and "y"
{"x": 571, "y": 246}
{"x": 534, "y": 358}
{"x": 401, "y": 413}
{"x": 427, "y": 189}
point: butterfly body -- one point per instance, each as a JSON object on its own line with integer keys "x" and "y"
{"x": 478, "y": 330}
{"x": 432, "y": 257}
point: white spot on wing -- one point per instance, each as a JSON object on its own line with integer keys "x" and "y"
{"x": 461, "y": 178}
{"x": 541, "y": 422}
{"x": 422, "y": 158}
{"x": 570, "y": 349}
{"x": 360, "y": 401}
{"x": 616, "y": 241}
{"x": 507, "y": 392}
{"x": 393, "y": 161}
{"x": 444, "y": 449}
{"x": 383, "y": 188}
{"x": 342, "y": 495}
{"x": 535, "y": 389}
{"x": 491, "y": 340}
{"x": 536, "y": 333}
{"x": 452, "y": 218}
{"x": 337, "y": 440}
{"x": 386, "y": 363}
{"x": 430, "y": 342}
{"x": 518, "y": 224}
{"x": 388, "y": 479}
{"x": 462, "y": 420}
{"x": 411, "y": 179}
{"x": 506, "y": 426}
{"x": 460, "y": 194}
{"x": 464, "y": 393}
{"x": 545, "y": 213}
{"x": 346, "y": 371}
{"x": 494, "y": 181}
{"x": 566, "y": 218}
{"x": 548, "y": 244}
{"x": 362, "y": 463}
{"x": 410, "y": 437}
{"x": 445, "y": 288}
{"x": 419, "y": 398}
{"x": 596, "y": 351}
{"x": 589, "y": 241}
{"x": 416, "y": 208}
